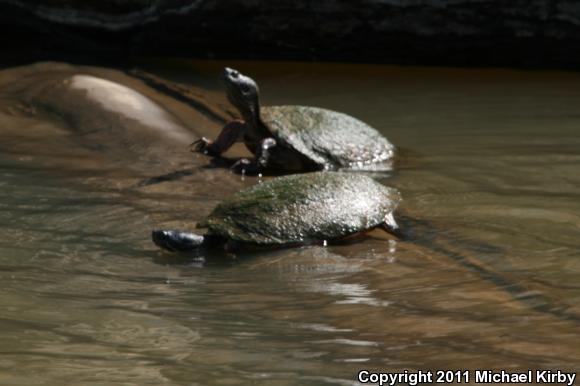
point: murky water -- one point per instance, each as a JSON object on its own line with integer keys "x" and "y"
{"x": 490, "y": 174}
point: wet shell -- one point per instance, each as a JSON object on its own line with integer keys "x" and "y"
{"x": 303, "y": 208}
{"x": 330, "y": 139}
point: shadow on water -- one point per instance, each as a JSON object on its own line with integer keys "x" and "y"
{"x": 466, "y": 257}
{"x": 171, "y": 176}
{"x": 213, "y": 163}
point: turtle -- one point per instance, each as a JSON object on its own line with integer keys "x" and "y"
{"x": 292, "y": 210}
{"x": 294, "y": 138}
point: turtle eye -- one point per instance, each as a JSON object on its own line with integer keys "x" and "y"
{"x": 234, "y": 74}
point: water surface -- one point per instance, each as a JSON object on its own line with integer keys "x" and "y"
{"x": 489, "y": 169}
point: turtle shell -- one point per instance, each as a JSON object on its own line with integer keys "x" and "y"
{"x": 303, "y": 208}
{"x": 330, "y": 139}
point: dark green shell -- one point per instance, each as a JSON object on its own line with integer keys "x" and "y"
{"x": 303, "y": 208}
{"x": 331, "y": 139}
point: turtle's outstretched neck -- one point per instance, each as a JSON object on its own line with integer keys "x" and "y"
{"x": 179, "y": 241}
{"x": 243, "y": 93}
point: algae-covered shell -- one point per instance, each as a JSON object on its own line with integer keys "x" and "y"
{"x": 330, "y": 139}
{"x": 303, "y": 208}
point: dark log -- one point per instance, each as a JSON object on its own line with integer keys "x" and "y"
{"x": 517, "y": 33}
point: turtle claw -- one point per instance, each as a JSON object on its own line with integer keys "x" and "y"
{"x": 202, "y": 145}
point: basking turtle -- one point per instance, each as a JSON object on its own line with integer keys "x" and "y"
{"x": 294, "y": 138}
{"x": 293, "y": 210}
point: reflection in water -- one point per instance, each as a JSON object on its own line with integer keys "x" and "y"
{"x": 488, "y": 278}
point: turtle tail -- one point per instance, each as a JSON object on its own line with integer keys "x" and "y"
{"x": 391, "y": 226}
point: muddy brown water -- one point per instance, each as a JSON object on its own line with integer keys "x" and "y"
{"x": 490, "y": 175}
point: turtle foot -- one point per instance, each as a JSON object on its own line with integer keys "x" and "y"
{"x": 203, "y": 146}
{"x": 245, "y": 167}
{"x": 254, "y": 167}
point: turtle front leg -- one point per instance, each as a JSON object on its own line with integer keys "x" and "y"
{"x": 231, "y": 133}
{"x": 260, "y": 161}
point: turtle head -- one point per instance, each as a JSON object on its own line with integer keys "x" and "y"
{"x": 242, "y": 92}
{"x": 177, "y": 241}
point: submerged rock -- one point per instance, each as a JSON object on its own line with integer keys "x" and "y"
{"x": 106, "y": 112}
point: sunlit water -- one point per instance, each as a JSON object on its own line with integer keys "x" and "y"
{"x": 489, "y": 170}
